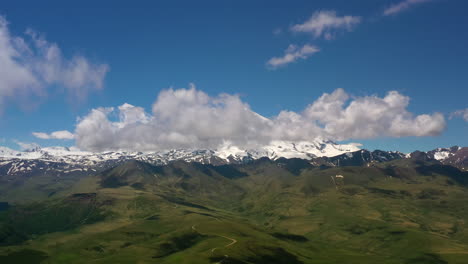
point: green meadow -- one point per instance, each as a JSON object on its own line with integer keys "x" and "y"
{"x": 284, "y": 211}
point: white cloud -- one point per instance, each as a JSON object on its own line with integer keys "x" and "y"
{"x": 371, "y": 117}
{"x": 326, "y": 23}
{"x": 292, "y": 54}
{"x": 402, "y": 6}
{"x": 180, "y": 118}
{"x": 189, "y": 118}
{"x": 30, "y": 65}
{"x": 62, "y": 134}
{"x": 460, "y": 113}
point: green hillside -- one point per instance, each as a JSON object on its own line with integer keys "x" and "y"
{"x": 284, "y": 211}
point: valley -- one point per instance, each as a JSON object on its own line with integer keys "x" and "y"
{"x": 406, "y": 210}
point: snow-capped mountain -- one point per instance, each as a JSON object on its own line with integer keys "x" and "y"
{"x": 286, "y": 149}
{"x": 359, "y": 158}
{"x": 63, "y": 161}
{"x": 454, "y": 156}
{"x": 443, "y": 153}
{"x": 68, "y": 160}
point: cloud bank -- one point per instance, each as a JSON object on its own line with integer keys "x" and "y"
{"x": 62, "y": 134}
{"x": 190, "y": 118}
{"x": 31, "y": 64}
{"x": 326, "y": 23}
{"x": 402, "y": 6}
{"x": 292, "y": 54}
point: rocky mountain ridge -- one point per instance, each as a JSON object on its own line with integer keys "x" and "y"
{"x": 61, "y": 160}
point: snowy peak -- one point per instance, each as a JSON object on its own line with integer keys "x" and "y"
{"x": 285, "y": 149}
{"x": 443, "y": 153}
{"x": 457, "y": 157}
{"x": 454, "y": 156}
{"x": 6, "y": 152}
{"x": 358, "y": 158}
{"x": 62, "y": 160}
{"x": 72, "y": 159}
{"x": 306, "y": 150}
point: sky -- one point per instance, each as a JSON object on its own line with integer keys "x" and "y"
{"x": 150, "y": 75}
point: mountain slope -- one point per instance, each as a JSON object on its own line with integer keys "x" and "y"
{"x": 264, "y": 211}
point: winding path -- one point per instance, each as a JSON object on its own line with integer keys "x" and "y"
{"x": 233, "y": 241}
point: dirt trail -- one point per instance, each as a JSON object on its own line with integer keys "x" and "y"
{"x": 233, "y": 241}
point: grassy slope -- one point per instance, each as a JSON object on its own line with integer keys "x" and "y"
{"x": 398, "y": 212}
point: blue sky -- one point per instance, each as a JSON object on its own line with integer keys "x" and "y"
{"x": 224, "y": 46}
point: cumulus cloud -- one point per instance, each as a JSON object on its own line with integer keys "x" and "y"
{"x": 371, "y": 117}
{"x": 326, "y": 23}
{"x": 30, "y": 64}
{"x": 460, "y": 113}
{"x": 190, "y": 118}
{"x": 292, "y": 54}
{"x": 402, "y": 6}
{"x": 62, "y": 134}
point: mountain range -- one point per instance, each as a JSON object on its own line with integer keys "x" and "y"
{"x": 287, "y": 203}
{"x": 320, "y": 152}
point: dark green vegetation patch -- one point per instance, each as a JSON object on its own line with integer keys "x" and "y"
{"x": 177, "y": 243}
{"x": 22, "y": 222}
{"x": 25, "y": 256}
